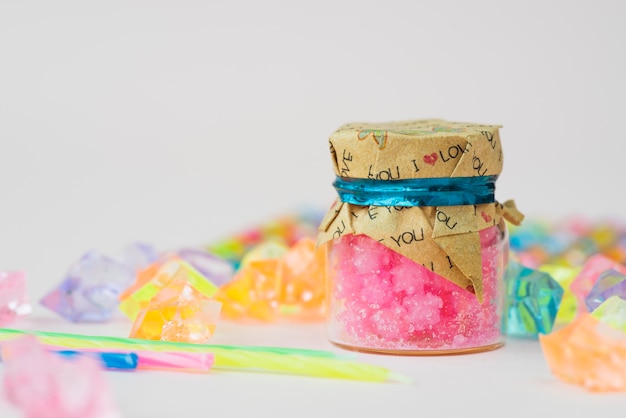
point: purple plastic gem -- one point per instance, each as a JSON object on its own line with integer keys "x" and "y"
{"x": 13, "y": 299}
{"x": 218, "y": 270}
{"x": 139, "y": 255}
{"x": 609, "y": 283}
{"x": 90, "y": 290}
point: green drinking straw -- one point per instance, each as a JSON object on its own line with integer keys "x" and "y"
{"x": 315, "y": 363}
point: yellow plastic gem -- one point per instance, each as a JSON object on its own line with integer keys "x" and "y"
{"x": 302, "y": 271}
{"x": 172, "y": 269}
{"x": 142, "y": 277}
{"x": 564, "y": 275}
{"x": 252, "y": 293}
{"x": 177, "y": 313}
{"x": 275, "y": 281}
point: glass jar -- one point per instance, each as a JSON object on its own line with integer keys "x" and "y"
{"x": 416, "y": 253}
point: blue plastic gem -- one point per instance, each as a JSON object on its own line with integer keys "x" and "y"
{"x": 609, "y": 283}
{"x": 532, "y": 301}
{"x": 90, "y": 291}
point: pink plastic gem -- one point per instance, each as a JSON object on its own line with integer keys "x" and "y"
{"x": 591, "y": 271}
{"x": 45, "y": 385}
{"x": 13, "y": 300}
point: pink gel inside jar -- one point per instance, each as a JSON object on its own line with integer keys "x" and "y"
{"x": 381, "y": 301}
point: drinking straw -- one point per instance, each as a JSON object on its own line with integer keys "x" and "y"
{"x": 284, "y": 360}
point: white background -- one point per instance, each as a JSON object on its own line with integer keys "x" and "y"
{"x": 180, "y": 122}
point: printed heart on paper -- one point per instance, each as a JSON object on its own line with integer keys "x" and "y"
{"x": 485, "y": 216}
{"x": 430, "y": 159}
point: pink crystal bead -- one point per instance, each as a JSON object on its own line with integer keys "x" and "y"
{"x": 45, "y": 385}
{"x": 13, "y": 298}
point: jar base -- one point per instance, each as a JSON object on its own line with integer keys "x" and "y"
{"x": 447, "y": 352}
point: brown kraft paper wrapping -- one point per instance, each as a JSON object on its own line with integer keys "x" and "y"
{"x": 444, "y": 239}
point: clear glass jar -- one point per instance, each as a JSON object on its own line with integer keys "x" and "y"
{"x": 381, "y": 301}
{"x": 417, "y": 244}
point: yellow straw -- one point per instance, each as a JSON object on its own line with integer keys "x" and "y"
{"x": 315, "y": 363}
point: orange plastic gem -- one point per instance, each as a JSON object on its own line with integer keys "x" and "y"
{"x": 588, "y": 353}
{"x": 274, "y": 282}
{"x": 252, "y": 293}
{"x": 302, "y": 271}
{"x": 177, "y": 313}
{"x": 142, "y": 277}
{"x": 172, "y": 269}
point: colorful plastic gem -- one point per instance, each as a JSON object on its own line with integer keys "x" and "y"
{"x": 609, "y": 283}
{"x": 139, "y": 255}
{"x": 569, "y": 243}
{"x": 178, "y": 312}
{"x": 90, "y": 292}
{"x": 535, "y": 242}
{"x": 564, "y": 275}
{"x": 253, "y": 292}
{"x": 150, "y": 285}
{"x": 590, "y": 352}
{"x": 13, "y": 298}
{"x": 277, "y": 281}
{"x": 591, "y": 271}
{"x": 45, "y": 385}
{"x": 302, "y": 271}
{"x": 268, "y": 250}
{"x": 617, "y": 251}
{"x": 612, "y": 312}
{"x": 532, "y": 301}
{"x": 214, "y": 268}
{"x": 142, "y": 277}
{"x": 286, "y": 230}
{"x": 173, "y": 269}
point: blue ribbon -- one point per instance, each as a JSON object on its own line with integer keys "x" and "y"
{"x": 444, "y": 191}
